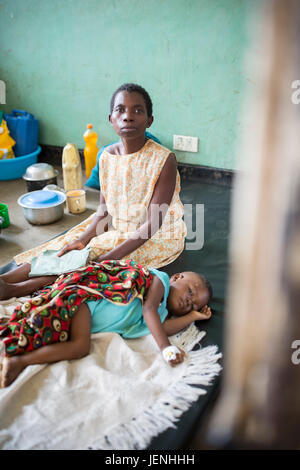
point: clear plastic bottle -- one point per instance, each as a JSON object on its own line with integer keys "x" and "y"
{"x": 90, "y": 150}
{"x": 72, "y": 171}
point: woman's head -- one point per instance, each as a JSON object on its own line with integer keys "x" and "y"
{"x": 188, "y": 291}
{"x": 131, "y": 111}
{"x": 133, "y": 88}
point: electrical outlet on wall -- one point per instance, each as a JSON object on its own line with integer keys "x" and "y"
{"x": 185, "y": 143}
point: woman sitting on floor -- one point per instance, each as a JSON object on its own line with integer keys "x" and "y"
{"x": 140, "y": 187}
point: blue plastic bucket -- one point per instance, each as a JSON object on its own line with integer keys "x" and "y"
{"x": 15, "y": 168}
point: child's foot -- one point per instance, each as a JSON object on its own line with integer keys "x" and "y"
{"x": 10, "y": 370}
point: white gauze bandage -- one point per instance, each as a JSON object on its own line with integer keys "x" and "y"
{"x": 169, "y": 353}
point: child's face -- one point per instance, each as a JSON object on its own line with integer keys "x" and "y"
{"x": 129, "y": 116}
{"x": 187, "y": 293}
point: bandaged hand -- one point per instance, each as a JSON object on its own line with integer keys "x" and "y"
{"x": 173, "y": 355}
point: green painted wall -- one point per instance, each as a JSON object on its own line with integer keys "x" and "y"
{"x": 63, "y": 59}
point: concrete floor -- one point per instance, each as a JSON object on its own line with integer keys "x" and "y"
{"x": 21, "y": 235}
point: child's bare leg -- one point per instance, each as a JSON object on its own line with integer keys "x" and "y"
{"x": 78, "y": 346}
{"x": 18, "y": 289}
{"x": 18, "y": 274}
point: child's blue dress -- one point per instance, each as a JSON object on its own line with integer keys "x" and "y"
{"x": 127, "y": 320}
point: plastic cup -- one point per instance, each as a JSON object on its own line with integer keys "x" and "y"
{"x": 4, "y": 214}
{"x": 76, "y": 201}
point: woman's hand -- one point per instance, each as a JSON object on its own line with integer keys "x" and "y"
{"x": 75, "y": 245}
{"x": 101, "y": 258}
{"x": 91, "y": 232}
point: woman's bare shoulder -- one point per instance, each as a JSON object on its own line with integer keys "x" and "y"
{"x": 113, "y": 149}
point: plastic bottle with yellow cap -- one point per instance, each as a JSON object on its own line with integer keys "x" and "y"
{"x": 90, "y": 150}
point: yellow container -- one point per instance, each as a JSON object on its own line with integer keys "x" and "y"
{"x": 6, "y": 142}
{"x": 90, "y": 150}
{"x": 72, "y": 171}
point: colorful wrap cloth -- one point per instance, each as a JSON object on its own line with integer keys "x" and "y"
{"x": 46, "y": 318}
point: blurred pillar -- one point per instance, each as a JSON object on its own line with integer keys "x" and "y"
{"x": 259, "y": 405}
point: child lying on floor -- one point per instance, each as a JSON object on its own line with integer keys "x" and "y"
{"x": 111, "y": 296}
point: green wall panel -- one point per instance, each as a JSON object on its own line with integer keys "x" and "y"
{"x": 63, "y": 59}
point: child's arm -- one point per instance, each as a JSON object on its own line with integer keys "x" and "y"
{"x": 153, "y": 321}
{"x": 150, "y": 313}
{"x": 172, "y": 326}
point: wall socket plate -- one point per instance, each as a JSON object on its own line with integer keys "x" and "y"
{"x": 185, "y": 143}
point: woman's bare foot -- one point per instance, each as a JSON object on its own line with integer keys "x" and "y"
{"x": 8, "y": 290}
{"x": 10, "y": 370}
{"x": 3, "y": 290}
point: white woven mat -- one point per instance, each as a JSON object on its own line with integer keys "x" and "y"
{"x": 118, "y": 397}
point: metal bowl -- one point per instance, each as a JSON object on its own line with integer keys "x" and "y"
{"x": 52, "y": 211}
{"x": 40, "y": 171}
{"x": 39, "y": 175}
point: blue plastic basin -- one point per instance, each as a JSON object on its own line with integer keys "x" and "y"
{"x": 15, "y": 168}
